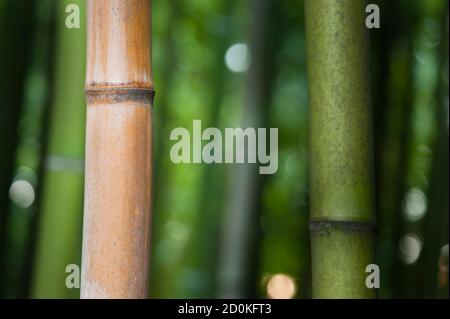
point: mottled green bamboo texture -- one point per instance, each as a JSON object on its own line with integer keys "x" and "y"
{"x": 339, "y": 258}
{"x": 341, "y": 147}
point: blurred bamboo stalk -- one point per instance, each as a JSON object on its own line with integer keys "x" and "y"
{"x": 17, "y": 21}
{"x": 342, "y": 218}
{"x": 119, "y": 91}
{"x": 393, "y": 81}
{"x": 58, "y": 238}
{"x": 238, "y": 267}
{"x": 433, "y": 268}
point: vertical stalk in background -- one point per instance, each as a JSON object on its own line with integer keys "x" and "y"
{"x": 60, "y": 205}
{"x": 342, "y": 218}
{"x": 238, "y": 261}
{"x": 393, "y": 80}
{"x": 433, "y": 264}
{"x": 17, "y": 21}
{"x": 166, "y": 67}
{"x": 119, "y": 91}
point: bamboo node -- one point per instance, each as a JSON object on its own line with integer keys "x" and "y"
{"x": 322, "y": 227}
{"x": 109, "y": 95}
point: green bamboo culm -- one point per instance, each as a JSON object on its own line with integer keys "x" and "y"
{"x": 342, "y": 218}
{"x": 61, "y": 210}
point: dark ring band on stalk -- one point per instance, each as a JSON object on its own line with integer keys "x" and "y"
{"x": 118, "y": 95}
{"x": 317, "y": 226}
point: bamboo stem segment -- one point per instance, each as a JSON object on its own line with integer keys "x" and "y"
{"x": 342, "y": 205}
{"x": 119, "y": 92}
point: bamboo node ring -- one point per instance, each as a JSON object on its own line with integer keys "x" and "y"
{"x": 117, "y": 95}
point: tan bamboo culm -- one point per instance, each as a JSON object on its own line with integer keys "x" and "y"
{"x": 119, "y": 92}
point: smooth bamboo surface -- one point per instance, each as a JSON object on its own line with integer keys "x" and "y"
{"x": 119, "y": 91}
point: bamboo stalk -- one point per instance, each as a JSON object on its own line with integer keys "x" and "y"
{"x": 237, "y": 268}
{"x": 119, "y": 93}
{"x": 58, "y": 235}
{"x": 342, "y": 218}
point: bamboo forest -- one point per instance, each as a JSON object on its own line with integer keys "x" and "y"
{"x": 224, "y": 149}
